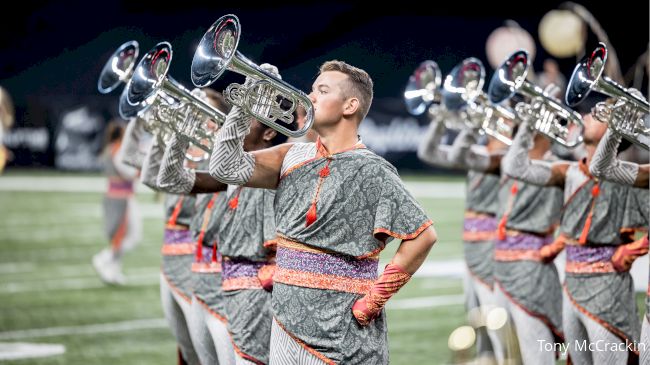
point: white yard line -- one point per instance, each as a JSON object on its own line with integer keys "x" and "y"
{"x": 152, "y": 278}
{"x": 25, "y": 350}
{"x": 17, "y": 267}
{"x": 67, "y": 184}
{"x": 90, "y": 329}
{"x": 79, "y": 271}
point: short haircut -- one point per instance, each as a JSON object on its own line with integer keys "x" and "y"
{"x": 359, "y": 83}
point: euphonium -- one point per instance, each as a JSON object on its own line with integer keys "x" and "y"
{"x": 466, "y": 80}
{"x": 547, "y": 115}
{"x": 423, "y": 88}
{"x": 423, "y": 94}
{"x": 119, "y": 67}
{"x": 117, "y": 70}
{"x": 182, "y": 112}
{"x": 268, "y": 99}
{"x": 625, "y": 116}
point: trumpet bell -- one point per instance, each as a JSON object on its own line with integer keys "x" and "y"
{"x": 118, "y": 68}
{"x": 126, "y": 109}
{"x": 423, "y": 87}
{"x": 263, "y": 95}
{"x": 509, "y": 77}
{"x": 453, "y": 101}
{"x": 216, "y": 50}
{"x": 466, "y": 79}
{"x": 585, "y": 74}
{"x": 150, "y": 73}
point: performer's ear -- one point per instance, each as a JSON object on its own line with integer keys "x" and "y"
{"x": 269, "y": 134}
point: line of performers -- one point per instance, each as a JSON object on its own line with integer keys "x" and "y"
{"x": 525, "y": 205}
{"x": 271, "y": 249}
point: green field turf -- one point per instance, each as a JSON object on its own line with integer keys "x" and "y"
{"x": 48, "y": 285}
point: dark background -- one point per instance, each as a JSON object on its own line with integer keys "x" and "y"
{"x": 51, "y": 53}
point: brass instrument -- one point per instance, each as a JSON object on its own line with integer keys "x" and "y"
{"x": 466, "y": 80}
{"x": 268, "y": 99}
{"x": 181, "y": 112}
{"x": 423, "y": 88}
{"x": 547, "y": 115}
{"x": 627, "y": 115}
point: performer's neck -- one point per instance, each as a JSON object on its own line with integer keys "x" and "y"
{"x": 339, "y": 139}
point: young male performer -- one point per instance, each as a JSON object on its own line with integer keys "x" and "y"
{"x": 337, "y": 205}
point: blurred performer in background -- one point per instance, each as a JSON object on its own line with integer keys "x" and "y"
{"x": 240, "y": 233}
{"x": 607, "y": 166}
{"x": 528, "y": 282}
{"x": 177, "y": 252}
{"x": 480, "y": 222}
{"x": 599, "y": 304}
{"x": 7, "y": 115}
{"x": 248, "y": 243}
{"x": 244, "y": 247}
{"x": 204, "y": 316}
{"x": 122, "y": 219}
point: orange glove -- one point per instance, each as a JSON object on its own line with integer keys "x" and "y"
{"x": 370, "y": 305}
{"x": 265, "y": 275}
{"x": 625, "y": 255}
{"x": 550, "y": 251}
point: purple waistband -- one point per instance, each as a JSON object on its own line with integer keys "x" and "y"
{"x": 523, "y": 241}
{"x": 120, "y": 185}
{"x": 589, "y": 253}
{"x": 240, "y": 268}
{"x": 173, "y": 236}
{"x": 482, "y": 224}
{"x": 326, "y": 263}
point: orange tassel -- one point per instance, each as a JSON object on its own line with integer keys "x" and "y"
{"x": 214, "y": 252}
{"x": 177, "y": 210}
{"x": 585, "y": 230}
{"x": 501, "y": 230}
{"x": 199, "y": 248}
{"x": 234, "y": 202}
{"x": 595, "y": 191}
{"x": 325, "y": 171}
{"x": 311, "y": 214}
{"x": 514, "y": 189}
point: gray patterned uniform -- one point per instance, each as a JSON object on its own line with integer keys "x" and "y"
{"x": 479, "y": 224}
{"x": 117, "y": 198}
{"x": 207, "y": 286}
{"x": 607, "y": 296}
{"x": 245, "y": 239}
{"x": 528, "y": 282}
{"x": 482, "y": 197}
{"x": 361, "y": 206}
{"x": 176, "y": 268}
{"x": 599, "y": 302}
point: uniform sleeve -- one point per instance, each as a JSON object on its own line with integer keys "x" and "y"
{"x": 151, "y": 164}
{"x": 398, "y": 214}
{"x": 130, "y": 153}
{"x": 430, "y": 149}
